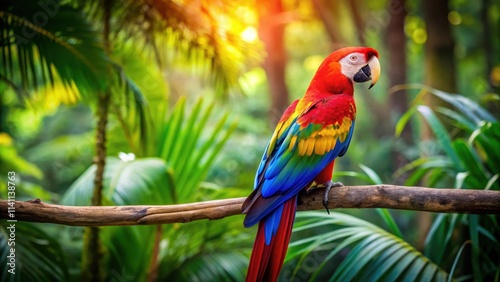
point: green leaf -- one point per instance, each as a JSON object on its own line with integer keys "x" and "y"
{"x": 11, "y": 161}
{"x": 435, "y": 176}
{"x": 354, "y": 174}
{"x": 384, "y": 213}
{"x": 455, "y": 262}
{"x": 441, "y": 134}
{"x": 172, "y": 127}
{"x": 374, "y": 177}
{"x": 492, "y": 182}
{"x": 468, "y": 107}
{"x": 487, "y": 139}
{"x": 476, "y": 253}
{"x": 460, "y": 179}
{"x": 389, "y": 220}
{"x": 403, "y": 120}
{"x": 459, "y": 119}
{"x": 440, "y": 235}
{"x": 421, "y": 166}
{"x": 472, "y": 164}
{"x": 415, "y": 177}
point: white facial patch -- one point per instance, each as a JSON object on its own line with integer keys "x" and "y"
{"x": 352, "y": 63}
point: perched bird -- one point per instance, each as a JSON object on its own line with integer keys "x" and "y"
{"x": 310, "y": 135}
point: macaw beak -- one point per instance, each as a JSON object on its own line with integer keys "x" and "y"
{"x": 374, "y": 65}
{"x": 369, "y": 72}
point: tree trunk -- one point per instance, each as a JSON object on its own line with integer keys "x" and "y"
{"x": 487, "y": 41}
{"x": 327, "y": 16}
{"x": 92, "y": 249}
{"x": 358, "y": 20}
{"x": 491, "y": 51}
{"x": 396, "y": 47}
{"x": 92, "y": 254}
{"x": 271, "y": 31}
{"x": 439, "y": 48}
{"x": 100, "y": 158}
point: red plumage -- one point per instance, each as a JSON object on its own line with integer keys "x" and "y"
{"x": 326, "y": 174}
{"x": 262, "y": 267}
{"x": 339, "y": 107}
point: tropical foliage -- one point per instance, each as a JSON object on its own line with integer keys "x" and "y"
{"x": 373, "y": 254}
{"x": 173, "y": 174}
{"x": 63, "y": 59}
{"x": 469, "y": 160}
{"x": 179, "y": 132}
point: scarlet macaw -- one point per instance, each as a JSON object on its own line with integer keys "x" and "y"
{"x": 310, "y": 135}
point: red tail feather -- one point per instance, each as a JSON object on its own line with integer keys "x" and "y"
{"x": 266, "y": 260}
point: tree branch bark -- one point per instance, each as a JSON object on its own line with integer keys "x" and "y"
{"x": 376, "y": 196}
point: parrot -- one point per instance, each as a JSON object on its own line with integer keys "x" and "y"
{"x": 312, "y": 132}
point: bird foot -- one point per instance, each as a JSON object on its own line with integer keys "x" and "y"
{"x": 327, "y": 186}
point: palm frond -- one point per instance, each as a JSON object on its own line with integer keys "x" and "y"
{"x": 373, "y": 178}
{"x": 62, "y": 46}
{"x": 119, "y": 241}
{"x": 373, "y": 253}
{"x": 218, "y": 266}
{"x": 196, "y": 31}
{"x": 190, "y": 143}
{"x": 125, "y": 92}
{"x": 38, "y": 255}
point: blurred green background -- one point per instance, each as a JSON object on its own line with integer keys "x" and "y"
{"x": 187, "y": 94}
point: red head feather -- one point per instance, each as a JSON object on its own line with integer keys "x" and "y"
{"x": 329, "y": 78}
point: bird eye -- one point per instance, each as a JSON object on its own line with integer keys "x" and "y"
{"x": 353, "y": 58}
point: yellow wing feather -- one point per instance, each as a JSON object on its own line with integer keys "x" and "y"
{"x": 324, "y": 140}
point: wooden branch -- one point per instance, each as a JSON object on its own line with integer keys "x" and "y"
{"x": 377, "y": 196}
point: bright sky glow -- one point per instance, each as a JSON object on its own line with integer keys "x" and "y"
{"x": 249, "y": 34}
